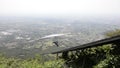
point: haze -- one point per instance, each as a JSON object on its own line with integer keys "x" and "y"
{"x": 59, "y": 7}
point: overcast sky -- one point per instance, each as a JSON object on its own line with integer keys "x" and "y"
{"x": 59, "y": 7}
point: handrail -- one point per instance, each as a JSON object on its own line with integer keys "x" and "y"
{"x": 114, "y": 39}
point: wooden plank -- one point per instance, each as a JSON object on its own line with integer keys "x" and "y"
{"x": 114, "y": 39}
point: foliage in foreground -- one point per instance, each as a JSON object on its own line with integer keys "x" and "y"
{"x": 105, "y": 56}
{"x": 29, "y": 63}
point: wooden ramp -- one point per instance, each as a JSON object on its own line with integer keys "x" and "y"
{"x": 111, "y": 40}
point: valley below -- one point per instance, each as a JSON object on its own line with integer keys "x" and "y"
{"x": 15, "y": 35}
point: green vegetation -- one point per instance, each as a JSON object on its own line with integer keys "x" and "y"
{"x": 29, "y": 63}
{"x": 113, "y": 33}
{"x": 105, "y": 56}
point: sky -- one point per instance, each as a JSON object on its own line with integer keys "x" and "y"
{"x": 59, "y": 7}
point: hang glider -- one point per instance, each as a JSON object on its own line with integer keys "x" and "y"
{"x": 48, "y": 36}
{"x": 52, "y": 35}
{"x": 110, "y": 40}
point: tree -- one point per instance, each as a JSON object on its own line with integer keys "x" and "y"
{"x": 105, "y": 56}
